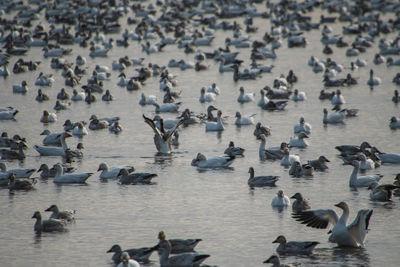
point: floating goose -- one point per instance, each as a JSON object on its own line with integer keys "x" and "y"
{"x": 54, "y": 150}
{"x": 300, "y": 170}
{"x": 263, "y": 100}
{"x": 276, "y": 262}
{"x": 365, "y": 164}
{"x": 299, "y": 140}
{"x": 206, "y": 96}
{"x": 346, "y": 150}
{"x": 96, "y": 124}
{"x": 20, "y": 184}
{"x": 112, "y": 172}
{"x": 294, "y": 247}
{"x": 168, "y": 107}
{"x": 260, "y": 129}
{"x": 243, "y": 120}
{"x": 135, "y": 178}
{"x": 8, "y": 114}
{"x": 214, "y": 162}
{"x": 110, "y": 120}
{"x": 126, "y": 260}
{"x": 303, "y": 126}
{"x": 69, "y": 177}
{"x": 79, "y": 130}
{"x": 245, "y": 97}
{"x": 162, "y": 139}
{"x": 336, "y": 117}
{"x": 373, "y": 80}
{"x": 298, "y": 96}
{"x": 19, "y": 173}
{"x": 300, "y": 203}
{"x": 6, "y": 154}
{"x": 67, "y": 215}
{"x": 215, "y": 126}
{"x": 51, "y": 225}
{"x": 280, "y": 200}
{"x": 270, "y": 153}
{"x": 48, "y": 117}
{"x": 259, "y": 181}
{"x": 139, "y": 254}
{"x": 381, "y": 192}
{"x": 234, "y": 151}
{"x": 362, "y": 181}
{"x": 394, "y": 123}
{"x": 288, "y": 159}
{"x": 147, "y": 100}
{"x": 319, "y": 164}
{"x": 352, "y": 235}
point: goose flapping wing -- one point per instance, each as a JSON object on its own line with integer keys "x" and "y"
{"x": 359, "y": 227}
{"x": 316, "y": 218}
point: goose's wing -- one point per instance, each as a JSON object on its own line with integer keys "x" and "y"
{"x": 153, "y": 126}
{"x": 183, "y": 245}
{"x": 359, "y": 227}
{"x": 316, "y": 218}
{"x": 53, "y": 225}
{"x": 173, "y": 129}
{"x": 187, "y": 259}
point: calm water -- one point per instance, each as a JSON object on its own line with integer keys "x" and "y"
{"x": 236, "y": 223}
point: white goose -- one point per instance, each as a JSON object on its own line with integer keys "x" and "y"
{"x": 19, "y": 173}
{"x": 78, "y": 96}
{"x": 206, "y": 96}
{"x": 168, "y": 107}
{"x": 263, "y": 100}
{"x": 201, "y": 161}
{"x": 299, "y": 140}
{"x": 8, "y": 114}
{"x": 21, "y": 89}
{"x": 245, "y": 97}
{"x": 215, "y": 126}
{"x": 366, "y": 164}
{"x": 352, "y": 235}
{"x": 298, "y": 96}
{"x": 362, "y": 181}
{"x": 288, "y": 159}
{"x": 112, "y": 172}
{"x": 69, "y": 177}
{"x": 243, "y": 120}
{"x": 48, "y": 117}
{"x": 336, "y": 117}
{"x": 303, "y": 126}
{"x": 147, "y": 100}
{"x": 373, "y": 80}
{"x": 162, "y": 139}
{"x": 381, "y": 192}
{"x": 79, "y": 130}
{"x": 51, "y": 139}
{"x": 338, "y": 98}
{"x": 258, "y": 181}
{"x": 54, "y": 150}
{"x": 280, "y": 200}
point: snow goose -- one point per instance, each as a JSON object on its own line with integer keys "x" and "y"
{"x": 338, "y": 98}
{"x": 243, "y": 120}
{"x": 373, "y": 80}
{"x": 334, "y": 118}
{"x": 79, "y": 130}
{"x": 294, "y": 247}
{"x": 245, "y": 97}
{"x": 276, "y": 262}
{"x": 66, "y": 215}
{"x": 54, "y": 150}
{"x": 263, "y": 100}
{"x": 80, "y": 60}
{"x": 298, "y": 96}
{"x": 319, "y": 164}
{"x": 206, "y": 96}
{"x": 113, "y": 171}
{"x": 259, "y": 181}
{"x": 44, "y": 80}
{"x": 183, "y": 259}
{"x": 48, "y": 117}
{"x": 20, "y": 184}
{"x": 19, "y": 172}
{"x": 69, "y": 177}
{"x": 300, "y": 202}
{"x": 46, "y": 171}
{"x": 300, "y": 170}
{"x": 210, "y": 116}
{"x": 135, "y": 178}
{"x": 381, "y": 192}
{"x": 365, "y": 164}
{"x": 126, "y": 260}
{"x": 299, "y": 140}
{"x": 215, "y": 126}
{"x": 233, "y": 150}
{"x": 272, "y": 152}
{"x": 20, "y": 89}
{"x": 303, "y": 126}
{"x": 139, "y": 254}
{"x": 351, "y": 235}
{"x": 162, "y": 138}
{"x": 60, "y": 106}
{"x": 78, "y": 96}
{"x": 213, "y": 89}
{"x": 394, "y": 123}
{"x": 8, "y": 114}
{"x": 362, "y": 181}
{"x": 280, "y": 200}
{"x": 51, "y": 225}
{"x": 168, "y": 107}
{"x": 387, "y": 157}
{"x": 288, "y": 159}
{"x": 201, "y": 161}
{"x": 147, "y": 100}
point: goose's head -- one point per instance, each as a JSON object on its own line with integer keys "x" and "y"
{"x": 115, "y": 248}
{"x": 102, "y": 166}
{"x": 52, "y": 208}
{"x": 37, "y": 215}
{"x": 238, "y": 115}
{"x": 297, "y": 196}
{"x": 274, "y": 259}
{"x": 342, "y": 205}
{"x": 161, "y": 235}
{"x": 43, "y": 167}
{"x": 280, "y": 193}
{"x": 323, "y": 159}
{"x": 280, "y": 239}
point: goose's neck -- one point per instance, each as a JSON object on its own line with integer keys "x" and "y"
{"x": 345, "y": 216}
{"x": 63, "y": 143}
{"x": 262, "y": 150}
{"x": 164, "y": 255}
{"x": 353, "y": 176}
{"x": 251, "y": 171}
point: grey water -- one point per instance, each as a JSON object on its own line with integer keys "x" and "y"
{"x": 236, "y": 223}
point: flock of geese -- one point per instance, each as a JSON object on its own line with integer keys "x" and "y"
{"x": 192, "y": 26}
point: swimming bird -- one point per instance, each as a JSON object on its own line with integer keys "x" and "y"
{"x": 135, "y": 177}
{"x": 95, "y": 124}
{"x": 8, "y": 114}
{"x": 48, "y": 117}
{"x": 299, "y": 140}
{"x": 346, "y": 150}
{"x": 394, "y": 123}
{"x": 338, "y": 98}
{"x": 19, "y": 172}
{"x": 201, "y": 161}
{"x": 215, "y": 126}
{"x": 79, "y": 130}
{"x": 300, "y": 203}
{"x": 42, "y": 96}
{"x": 139, "y": 254}
{"x": 263, "y": 100}
{"x": 184, "y": 259}
{"x": 110, "y": 120}
{"x": 20, "y": 184}
{"x": 167, "y": 107}
{"x": 245, "y": 97}
{"x": 280, "y": 200}
{"x": 243, "y": 120}
{"x": 319, "y": 164}
{"x": 51, "y": 225}
{"x": 66, "y": 215}
{"x": 288, "y": 159}
{"x": 54, "y": 150}
{"x": 365, "y": 164}
{"x": 233, "y": 150}
{"x": 373, "y": 80}
{"x": 272, "y": 152}
{"x": 392, "y": 158}
{"x": 147, "y": 100}
{"x": 351, "y": 235}
{"x": 298, "y": 96}
{"x": 113, "y": 171}
{"x": 260, "y": 129}
{"x": 21, "y": 89}
{"x": 259, "y": 181}
{"x": 362, "y": 181}
{"x": 69, "y": 177}
{"x": 206, "y": 96}
{"x": 162, "y": 138}
{"x": 381, "y": 192}
{"x": 303, "y": 126}
{"x": 126, "y": 260}
{"x": 276, "y": 262}
{"x": 300, "y": 170}
{"x": 6, "y": 154}
{"x": 294, "y": 247}
{"x": 334, "y": 118}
